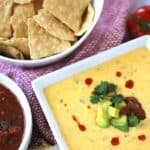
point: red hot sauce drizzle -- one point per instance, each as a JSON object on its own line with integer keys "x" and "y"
{"x": 115, "y": 141}
{"x": 88, "y": 81}
{"x": 118, "y": 74}
{"x": 142, "y": 137}
{"x": 129, "y": 84}
{"x": 81, "y": 126}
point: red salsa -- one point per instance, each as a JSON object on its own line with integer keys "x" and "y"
{"x": 11, "y": 120}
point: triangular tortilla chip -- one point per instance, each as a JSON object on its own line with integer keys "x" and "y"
{"x": 53, "y": 26}
{"x": 87, "y": 21}
{"x": 3, "y": 39}
{"x": 19, "y": 19}
{"x": 11, "y": 52}
{"x": 41, "y": 43}
{"x": 22, "y": 1}
{"x": 19, "y": 43}
{"x": 68, "y": 11}
{"x": 5, "y": 13}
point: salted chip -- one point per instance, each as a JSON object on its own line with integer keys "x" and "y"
{"x": 68, "y": 11}
{"x": 41, "y": 43}
{"x": 5, "y": 14}
{"x": 53, "y": 26}
{"x": 87, "y": 21}
{"x": 19, "y": 43}
{"x": 22, "y": 1}
{"x": 20, "y": 17}
{"x": 10, "y": 52}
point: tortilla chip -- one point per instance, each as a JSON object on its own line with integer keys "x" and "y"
{"x": 19, "y": 19}
{"x": 3, "y": 39}
{"x": 41, "y": 43}
{"x": 22, "y": 1}
{"x": 87, "y": 21}
{"x": 19, "y": 43}
{"x": 5, "y": 14}
{"x": 68, "y": 11}
{"x": 53, "y": 26}
{"x": 37, "y": 4}
{"x": 10, "y": 52}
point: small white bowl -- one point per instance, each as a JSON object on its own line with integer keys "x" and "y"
{"x": 12, "y": 86}
{"x": 98, "y": 5}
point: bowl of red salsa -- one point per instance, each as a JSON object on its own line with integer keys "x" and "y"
{"x": 15, "y": 116}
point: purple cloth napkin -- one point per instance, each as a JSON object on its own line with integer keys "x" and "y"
{"x": 109, "y": 32}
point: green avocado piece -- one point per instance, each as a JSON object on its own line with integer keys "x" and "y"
{"x": 106, "y": 104}
{"x": 133, "y": 121}
{"x": 113, "y": 112}
{"x": 120, "y": 123}
{"x": 102, "y": 119}
{"x": 121, "y": 105}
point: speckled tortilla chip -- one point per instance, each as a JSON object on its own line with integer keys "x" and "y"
{"x": 3, "y": 39}
{"x": 87, "y": 21}
{"x": 19, "y": 43}
{"x": 22, "y": 1}
{"x": 68, "y": 11}
{"x": 41, "y": 43}
{"x": 19, "y": 19}
{"x": 10, "y": 52}
{"x": 53, "y": 26}
{"x": 5, "y": 13}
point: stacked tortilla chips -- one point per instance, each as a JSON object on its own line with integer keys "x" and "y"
{"x": 35, "y": 29}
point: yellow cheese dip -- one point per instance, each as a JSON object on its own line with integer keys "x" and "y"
{"x": 71, "y": 97}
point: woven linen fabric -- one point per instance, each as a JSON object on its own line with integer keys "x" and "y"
{"x": 109, "y": 32}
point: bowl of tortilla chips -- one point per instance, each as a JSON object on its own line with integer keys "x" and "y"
{"x": 38, "y": 32}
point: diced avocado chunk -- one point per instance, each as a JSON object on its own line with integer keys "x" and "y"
{"x": 102, "y": 119}
{"x": 113, "y": 112}
{"x": 121, "y": 105}
{"x": 133, "y": 121}
{"x": 120, "y": 123}
{"x": 106, "y": 104}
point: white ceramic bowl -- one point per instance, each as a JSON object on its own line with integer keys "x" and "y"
{"x": 98, "y": 5}
{"x": 12, "y": 86}
{"x": 42, "y": 82}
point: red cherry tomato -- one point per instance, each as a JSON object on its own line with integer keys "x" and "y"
{"x": 138, "y": 23}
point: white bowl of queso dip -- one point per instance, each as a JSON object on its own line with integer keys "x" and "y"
{"x": 64, "y": 96}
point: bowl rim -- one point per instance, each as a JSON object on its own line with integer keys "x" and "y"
{"x": 15, "y": 89}
{"x": 43, "y": 81}
{"x": 54, "y": 58}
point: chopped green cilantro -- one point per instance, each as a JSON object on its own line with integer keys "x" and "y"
{"x": 94, "y": 99}
{"x": 117, "y": 99}
{"x": 102, "y": 92}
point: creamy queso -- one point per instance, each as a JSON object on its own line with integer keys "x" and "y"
{"x": 70, "y": 102}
